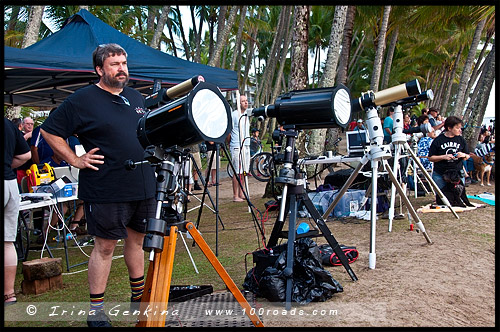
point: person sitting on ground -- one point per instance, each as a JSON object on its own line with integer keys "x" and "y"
{"x": 359, "y": 125}
{"x": 448, "y": 151}
{"x": 424, "y": 143}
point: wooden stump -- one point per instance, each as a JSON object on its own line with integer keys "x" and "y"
{"x": 42, "y": 275}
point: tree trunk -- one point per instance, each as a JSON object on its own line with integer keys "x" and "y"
{"x": 318, "y": 136}
{"x": 33, "y": 26}
{"x": 260, "y": 94}
{"x": 155, "y": 42}
{"x": 197, "y": 56}
{"x": 284, "y": 52}
{"x": 237, "y": 46}
{"x": 219, "y": 46}
{"x": 439, "y": 92}
{"x": 479, "y": 101}
{"x": 446, "y": 97}
{"x": 221, "y": 21}
{"x": 477, "y": 66}
{"x": 14, "y": 18}
{"x": 298, "y": 70}
{"x": 30, "y": 37}
{"x": 171, "y": 34}
{"x": 211, "y": 28}
{"x": 249, "y": 57}
{"x": 332, "y": 58}
{"x": 359, "y": 50}
{"x": 379, "y": 54}
{"x": 187, "y": 51}
{"x": 461, "y": 99}
{"x": 388, "y": 59}
{"x": 346, "y": 46}
{"x": 287, "y": 31}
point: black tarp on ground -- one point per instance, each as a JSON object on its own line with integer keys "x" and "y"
{"x": 45, "y": 73}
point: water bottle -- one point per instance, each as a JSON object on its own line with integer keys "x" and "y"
{"x": 69, "y": 236}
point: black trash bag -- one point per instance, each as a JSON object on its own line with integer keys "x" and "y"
{"x": 310, "y": 281}
{"x": 272, "y": 285}
{"x": 251, "y": 284}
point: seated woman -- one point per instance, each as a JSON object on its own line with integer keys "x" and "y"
{"x": 448, "y": 151}
{"x": 424, "y": 143}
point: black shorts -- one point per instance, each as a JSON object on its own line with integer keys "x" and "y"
{"x": 109, "y": 220}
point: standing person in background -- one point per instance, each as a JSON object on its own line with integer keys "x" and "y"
{"x": 195, "y": 152}
{"x": 117, "y": 202}
{"x": 406, "y": 121}
{"x": 388, "y": 125}
{"x": 27, "y": 131}
{"x": 211, "y": 150}
{"x": 239, "y": 145}
{"x": 28, "y": 125}
{"x": 18, "y": 123}
{"x": 16, "y": 152}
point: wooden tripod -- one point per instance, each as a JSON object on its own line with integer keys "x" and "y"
{"x": 157, "y": 286}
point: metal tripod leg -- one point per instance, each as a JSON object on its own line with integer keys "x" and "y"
{"x": 431, "y": 181}
{"x": 372, "y": 256}
{"x": 395, "y": 168}
{"x": 320, "y": 222}
{"x": 412, "y": 211}
{"x": 288, "y": 272}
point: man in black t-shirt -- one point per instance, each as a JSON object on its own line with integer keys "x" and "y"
{"x": 448, "y": 151}
{"x": 16, "y": 152}
{"x": 117, "y": 202}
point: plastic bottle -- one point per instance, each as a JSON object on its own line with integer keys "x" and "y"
{"x": 69, "y": 236}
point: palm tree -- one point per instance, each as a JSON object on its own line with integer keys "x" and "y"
{"x": 318, "y": 136}
{"x": 30, "y": 37}
{"x": 477, "y": 107}
{"x": 466, "y": 72}
{"x": 345, "y": 54}
{"x": 319, "y": 31}
{"x": 223, "y": 29}
{"x": 155, "y": 42}
{"x": 377, "y": 64}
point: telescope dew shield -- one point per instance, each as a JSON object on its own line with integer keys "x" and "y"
{"x": 202, "y": 115}
{"x": 372, "y": 99}
{"x": 310, "y": 109}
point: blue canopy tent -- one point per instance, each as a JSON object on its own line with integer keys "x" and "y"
{"x": 45, "y": 73}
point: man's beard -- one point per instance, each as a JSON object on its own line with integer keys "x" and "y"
{"x": 113, "y": 82}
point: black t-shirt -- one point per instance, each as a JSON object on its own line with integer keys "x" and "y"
{"x": 442, "y": 145}
{"x": 109, "y": 122}
{"x": 14, "y": 144}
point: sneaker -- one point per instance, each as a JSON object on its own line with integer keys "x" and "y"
{"x": 98, "y": 320}
{"x": 197, "y": 186}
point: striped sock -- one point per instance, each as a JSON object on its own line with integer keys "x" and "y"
{"x": 97, "y": 301}
{"x": 137, "y": 287}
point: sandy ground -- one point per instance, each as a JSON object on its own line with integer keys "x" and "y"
{"x": 448, "y": 283}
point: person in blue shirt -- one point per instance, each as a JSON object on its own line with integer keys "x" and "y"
{"x": 388, "y": 125}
